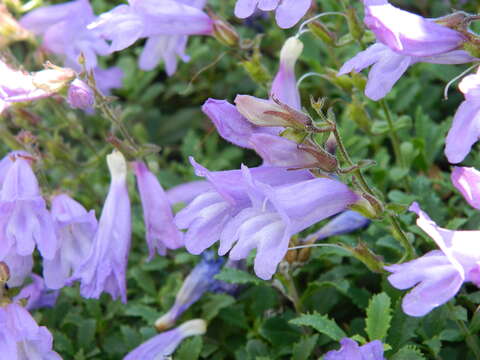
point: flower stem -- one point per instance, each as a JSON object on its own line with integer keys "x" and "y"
{"x": 393, "y": 134}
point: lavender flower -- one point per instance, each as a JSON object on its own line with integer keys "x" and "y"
{"x": 288, "y": 12}
{"x": 105, "y": 267}
{"x": 184, "y": 193}
{"x": 157, "y": 213}
{"x": 37, "y": 295}
{"x": 351, "y": 351}
{"x": 438, "y": 275}
{"x": 20, "y": 267}
{"x": 467, "y": 181}
{"x": 465, "y": 129}
{"x": 80, "y": 96}
{"x": 343, "y": 223}
{"x": 75, "y": 231}
{"x": 25, "y": 220}
{"x": 22, "y": 338}
{"x": 200, "y": 280}
{"x": 164, "y": 344}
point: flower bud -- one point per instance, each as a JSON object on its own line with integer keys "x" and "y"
{"x": 80, "y": 96}
{"x": 53, "y": 79}
{"x": 291, "y": 51}
{"x": 224, "y": 32}
{"x": 321, "y": 31}
{"x": 193, "y": 327}
{"x": 4, "y": 272}
{"x": 354, "y": 25}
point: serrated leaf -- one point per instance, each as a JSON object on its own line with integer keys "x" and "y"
{"x": 190, "y": 349}
{"x": 378, "y": 316}
{"x": 235, "y": 276}
{"x": 303, "y": 349}
{"x": 408, "y": 353}
{"x": 322, "y": 324}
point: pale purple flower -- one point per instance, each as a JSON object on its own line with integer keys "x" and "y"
{"x": 184, "y": 193}
{"x": 287, "y": 14}
{"x": 284, "y": 85}
{"x": 105, "y": 267}
{"x": 407, "y": 33}
{"x": 37, "y": 294}
{"x": 25, "y": 220}
{"x": 108, "y": 79}
{"x": 161, "y": 232}
{"x": 350, "y": 350}
{"x": 80, "y": 96}
{"x": 467, "y": 181}
{"x": 388, "y": 66}
{"x": 164, "y": 344}
{"x": 465, "y": 129}
{"x": 21, "y": 338}
{"x": 438, "y": 275}
{"x": 200, "y": 280}
{"x": 75, "y": 229}
{"x": 344, "y": 223}
{"x": 20, "y": 267}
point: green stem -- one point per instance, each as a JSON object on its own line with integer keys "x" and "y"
{"x": 292, "y": 291}
{"x": 409, "y": 249}
{"x": 469, "y": 338}
{"x": 393, "y": 134}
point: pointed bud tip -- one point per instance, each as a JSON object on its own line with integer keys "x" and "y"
{"x": 193, "y": 327}
{"x": 291, "y": 51}
{"x": 117, "y": 165}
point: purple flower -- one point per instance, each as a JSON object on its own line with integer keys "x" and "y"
{"x": 161, "y": 231}
{"x": 465, "y": 129}
{"x": 75, "y": 231}
{"x": 21, "y": 338}
{"x": 467, "y": 181}
{"x": 351, "y": 351}
{"x": 389, "y": 66}
{"x": 407, "y": 33}
{"x": 288, "y": 12}
{"x": 105, "y": 267}
{"x": 164, "y": 344}
{"x": 37, "y": 294}
{"x": 80, "y": 96}
{"x": 200, "y": 280}
{"x": 284, "y": 85}
{"x": 184, "y": 193}
{"x": 25, "y": 220}
{"x": 346, "y": 222}
{"x": 108, "y": 79}
{"x": 20, "y": 267}
{"x": 438, "y": 275}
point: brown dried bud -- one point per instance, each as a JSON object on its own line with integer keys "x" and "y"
{"x": 4, "y": 273}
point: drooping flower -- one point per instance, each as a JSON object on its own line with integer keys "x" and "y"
{"x": 37, "y": 294}
{"x": 200, "y": 280}
{"x": 161, "y": 232}
{"x": 25, "y": 221}
{"x": 350, "y": 350}
{"x": 287, "y": 14}
{"x": 465, "y": 130}
{"x": 80, "y": 96}
{"x": 21, "y": 338}
{"x": 438, "y": 275}
{"x": 104, "y": 269}
{"x": 164, "y": 344}
{"x": 75, "y": 232}
{"x": 467, "y": 181}
{"x": 343, "y": 223}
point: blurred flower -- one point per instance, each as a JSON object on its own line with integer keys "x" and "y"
{"x": 25, "y": 220}
{"x": 288, "y": 12}
{"x": 75, "y": 232}
{"x": 161, "y": 232}
{"x": 22, "y": 338}
{"x": 438, "y": 275}
{"x": 200, "y": 280}
{"x": 389, "y": 66}
{"x": 20, "y": 267}
{"x": 344, "y": 223}
{"x": 184, "y": 193}
{"x": 108, "y": 79}
{"x": 465, "y": 129}
{"x": 467, "y": 181}
{"x": 164, "y": 344}
{"x": 80, "y": 96}
{"x": 351, "y": 351}
{"x": 105, "y": 267}
{"x": 10, "y": 29}
{"x": 37, "y": 294}
{"x": 165, "y": 24}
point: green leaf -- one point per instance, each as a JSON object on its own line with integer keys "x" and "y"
{"x": 408, "y": 353}
{"x": 235, "y": 276}
{"x": 279, "y": 332}
{"x": 86, "y": 333}
{"x": 190, "y": 349}
{"x": 378, "y": 316}
{"x": 303, "y": 349}
{"x": 214, "y": 304}
{"x": 322, "y": 324}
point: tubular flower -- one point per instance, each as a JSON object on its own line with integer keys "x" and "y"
{"x": 105, "y": 267}
{"x": 75, "y": 231}
{"x": 164, "y": 344}
{"x": 344, "y": 223}
{"x": 161, "y": 231}
{"x": 351, "y": 351}
{"x": 288, "y": 12}
{"x": 467, "y": 181}
{"x": 25, "y": 220}
{"x": 465, "y": 129}
{"x": 200, "y": 280}
{"x": 438, "y": 275}
{"x": 21, "y": 338}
